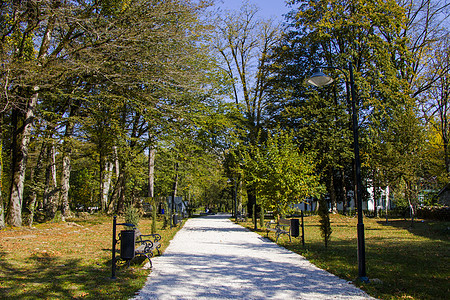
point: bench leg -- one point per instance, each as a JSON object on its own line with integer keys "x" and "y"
{"x": 149, "y": 260}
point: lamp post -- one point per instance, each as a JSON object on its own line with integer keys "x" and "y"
{"x": 319, "y": 79}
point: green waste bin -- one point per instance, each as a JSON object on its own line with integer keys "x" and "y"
{"x": 127, "y": 244}
{"x": 295, "y": 227}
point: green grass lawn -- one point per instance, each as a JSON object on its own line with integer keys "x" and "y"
{"x": 401, "y": 262}
{"x": 69, "y": 260}
{"x": 72, "y": 260}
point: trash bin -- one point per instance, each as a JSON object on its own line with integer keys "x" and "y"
{"x": 175, "y": 219}
{"x": 127, "y": 244}
{"x": 295, "y": 227}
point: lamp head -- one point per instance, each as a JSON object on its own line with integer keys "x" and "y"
{"x": 319, "y": 79}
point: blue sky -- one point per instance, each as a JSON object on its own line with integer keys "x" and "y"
{"x": 268, "y": 8}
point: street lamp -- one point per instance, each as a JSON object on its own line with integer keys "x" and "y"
{"x": 319, "y": 79}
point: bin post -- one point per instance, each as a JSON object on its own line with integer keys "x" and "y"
{"x": 303, "y": 231}
{"x": 127, "y": 244}
{"x": 295, "y": 227}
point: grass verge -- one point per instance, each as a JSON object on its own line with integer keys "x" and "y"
{"x": 401, "y": 262}
{"x": 70, "y": 260}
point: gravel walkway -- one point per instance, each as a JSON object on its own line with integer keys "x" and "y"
{"x": 213, "y": 258}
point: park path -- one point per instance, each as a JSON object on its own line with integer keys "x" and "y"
{"x": 213, "y": 258}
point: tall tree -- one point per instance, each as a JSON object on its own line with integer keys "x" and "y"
{"x": 436, "y": 109}
{"x": 2, "y": 207}
{"x": 281, "y": 174}
{"x": 334, "y": 33}
{"x": 91, "y": 53}
{"x": 243, "y": 43}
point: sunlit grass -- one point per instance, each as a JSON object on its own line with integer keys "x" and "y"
{"x": 401, "y": 262}
{"x": 68, "y": 261}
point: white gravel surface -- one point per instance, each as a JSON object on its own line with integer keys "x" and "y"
{"x": 213, "y": 258}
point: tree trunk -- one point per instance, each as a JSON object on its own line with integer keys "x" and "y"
{"x": 413, "y": 212}
{"x": 122, "y": 191}
{"x": 174, "y": 193}
{"x": 251, "y": 200}
{"x": 2, "y": 207}
{"x": 106, "y": 184}
{"x": 344, "y": 192}
{"x": 387, "y": 204}
{"x": 446, "y": 154}
{"x": 116, "y": 161}
{"x": 35, "y": 174}
{"x": 65, "y": 184}
{"x": 151, "y": 172}
{"x": 20, "y": 156}
{"x": 2, "y": 211}
{"x": 51, "y": 191}
{"x": 151, "y": 180}
{"x": 239, "y": 198}
{"x": 112, "y": 207}
{"x": 66, "y": 161}
{"x": 375, "y": 193}
{"x": 332, "y": 192}
{"x": 411, "y": 204}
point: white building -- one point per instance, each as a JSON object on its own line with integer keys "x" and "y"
{"x": 180, "y": 205}
{"x": 383, "y": 200}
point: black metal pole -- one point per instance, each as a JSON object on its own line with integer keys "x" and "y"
{"x": 303, "y": 231}
{"x": 358, "y": 182}
{"x": 360, "y": 227}
{"x": 172, "y": 221}
{"x": 114, "y": 242}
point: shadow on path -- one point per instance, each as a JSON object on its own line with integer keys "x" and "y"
{"x": 213, "y": 258}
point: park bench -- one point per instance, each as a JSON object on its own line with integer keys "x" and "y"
{"x": 178, "y": 219}
{"x": 146, "y": 244}
{"x": 283, "y": 226}
{"x": 240, "y": 217}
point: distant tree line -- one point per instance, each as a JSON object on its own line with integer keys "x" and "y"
{"x": 89, "y": 90}
{"x": 106, "y": 102}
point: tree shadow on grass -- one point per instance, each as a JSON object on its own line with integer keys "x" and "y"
{"x": 436, "y": 230}
{"x": 410, "y": 268}
{"x": 45, "y": 276}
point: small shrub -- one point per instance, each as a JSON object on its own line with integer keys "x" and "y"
{"x": 434, "y": 213}
{"x": 154, "y": 207}
{"x": 254, "y": 216}
{"x": 261, "y": 217}
{"x": 132, "y": 215}
{"x": 166, "y": 220}
{"x": 325, "y": 226}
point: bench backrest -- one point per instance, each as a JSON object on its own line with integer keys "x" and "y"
{"x": 282, "y": 221}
